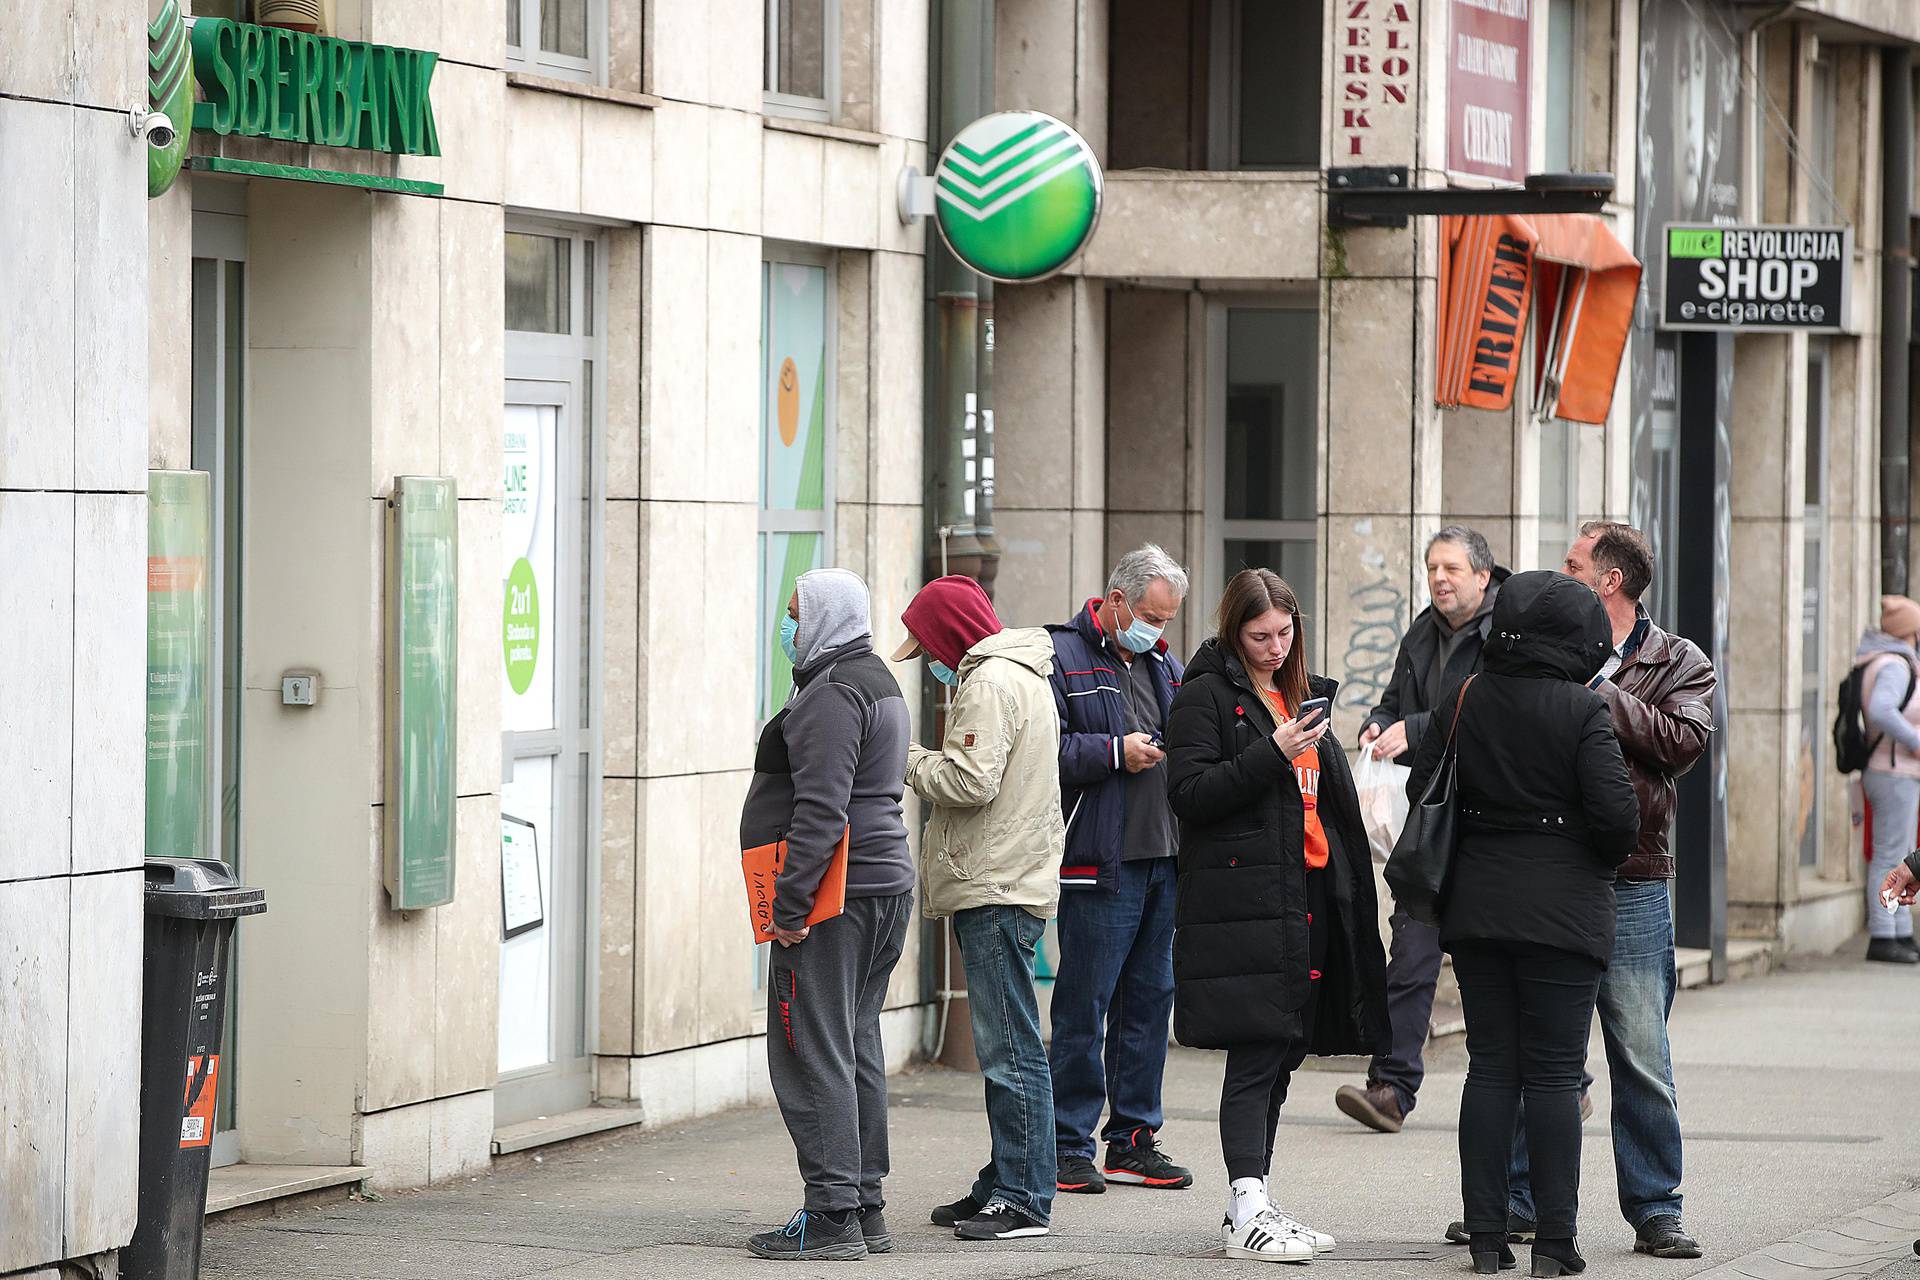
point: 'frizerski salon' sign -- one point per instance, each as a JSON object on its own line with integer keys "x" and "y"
{"x": 1757, "y": 277}
{"x": 295, "y": 87}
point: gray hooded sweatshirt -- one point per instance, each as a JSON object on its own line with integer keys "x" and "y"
{"x": 1886, "y": 709}
{"x": 834, "y": 758}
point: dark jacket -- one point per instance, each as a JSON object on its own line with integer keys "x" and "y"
{"x": 1093, "y": 719}
{"x": 1661, "y": 699}
{"x": 1547, "y": 812}
{"x": 1406, "y": 695}
{"x": 1240, "y": 943}
{"x": 835, "y": 757}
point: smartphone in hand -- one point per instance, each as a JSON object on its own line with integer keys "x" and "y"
{"x": 1312, "y": 706}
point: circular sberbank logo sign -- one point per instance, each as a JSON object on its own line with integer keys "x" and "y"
{"x": 522, "y": 630}
{"x": 1016, "y": 195}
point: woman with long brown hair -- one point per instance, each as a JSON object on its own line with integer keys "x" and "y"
{"x": 1276, "y": 948}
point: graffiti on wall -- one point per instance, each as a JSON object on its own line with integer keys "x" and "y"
{"x": 1377, "y": 608}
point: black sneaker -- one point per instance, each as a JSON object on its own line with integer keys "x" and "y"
{"x": 1889, "y": 951}
{"x": 1000, "y": 1221}
{"x": 810, "y": 1236}
{"x": 1077, "y": 1174}
{"x": 952, "y": 1215}
{"x": 1138, "y": 1161}
{"x": 1664, "y": 1237}
{"x": 1519, "y": 1231}
{"x": 873, "y": 1229}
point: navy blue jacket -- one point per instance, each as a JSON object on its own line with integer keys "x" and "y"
{"x": 1092, "y": 702}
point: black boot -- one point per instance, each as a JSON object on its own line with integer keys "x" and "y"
{"x": 1491, "y": 1255}
{"x": 1556, "y": 1257}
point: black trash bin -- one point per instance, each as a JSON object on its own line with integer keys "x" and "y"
{"x": 191, "y": 908}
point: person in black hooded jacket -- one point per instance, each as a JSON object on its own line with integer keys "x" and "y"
{"x": 1276, "y": 945}
{"x": 1546, "y": 813}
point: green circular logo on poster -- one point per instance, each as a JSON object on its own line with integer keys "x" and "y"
{"x": 1017, "y": 195}
{"x": 522, "y": 626}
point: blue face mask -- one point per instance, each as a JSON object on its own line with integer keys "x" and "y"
{"x": 943, "y": 673}
{"x": 789, "y": 631}
{"x": 1140, "y": 636}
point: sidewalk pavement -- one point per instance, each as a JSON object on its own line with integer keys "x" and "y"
{"x": 1799, "y": 1096}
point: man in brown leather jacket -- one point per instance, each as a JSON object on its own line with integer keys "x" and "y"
{"x": 1660, "y": 689}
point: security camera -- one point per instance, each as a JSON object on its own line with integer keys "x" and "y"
{"x": 152, "y": 126}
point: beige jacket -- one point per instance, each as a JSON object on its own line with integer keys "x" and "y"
{"x": 995, "y": 836}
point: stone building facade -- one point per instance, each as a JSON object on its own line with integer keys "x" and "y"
{"x": 653, "y": 310}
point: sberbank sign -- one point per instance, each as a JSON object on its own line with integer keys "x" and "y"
{"x": 265, "y": 82}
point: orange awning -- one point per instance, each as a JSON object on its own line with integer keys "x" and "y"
{"x": 1574, "y": 270}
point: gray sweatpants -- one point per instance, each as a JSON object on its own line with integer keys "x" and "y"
{"x": 824, "y": 1052}
{"x": 1896, "y": 813}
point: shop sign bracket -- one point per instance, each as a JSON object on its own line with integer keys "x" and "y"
{"x": 1382, "y": 196}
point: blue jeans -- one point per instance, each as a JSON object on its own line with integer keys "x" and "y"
{"x": 1636, "y": 995}
{"x": 997, "y": 946}
{"x": 1112, "y": 997}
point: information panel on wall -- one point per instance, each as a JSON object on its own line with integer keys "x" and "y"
{"x": 1757, "y": 277}
{"x": 179, "y": 664}
{"x": 422, "y": 684}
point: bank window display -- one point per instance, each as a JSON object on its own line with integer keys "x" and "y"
{"x": 551, "y": 545}
{"x": 561, "y": 38}
{"x": 1813, "y": 629}
{"x": 1265, "y": 111}
{"x": 1264, "y": 459}
{"x": 796, "y": 447}
{"x": 803, "y": 57}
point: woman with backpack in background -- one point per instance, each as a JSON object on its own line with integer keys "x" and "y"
{"x": 1889, "y": 669}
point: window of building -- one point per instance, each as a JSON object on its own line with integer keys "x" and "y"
{"x": 1559, "y": 491}
{"x": 1266, "y": 107}
{"x": 1812, "y": 613}
{"x": 1264, "y": 460}
{"x": 566, "y": 39}
{"x": 1563, "y": 85}
{"x": 1661, "y": 517}
{"x": 796, "y": 445}
{"x": 803, "y": 57}
{"x": 1822, "y": 142}
{"x": 552, "y": 542}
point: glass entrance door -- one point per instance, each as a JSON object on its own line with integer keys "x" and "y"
{"x": 218, "y": 441}
{"x": 544, "y": 1066}
{"x": 549, "y": 550}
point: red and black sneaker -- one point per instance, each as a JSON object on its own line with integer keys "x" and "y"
{"x": 1077, "y": 1174}
{"x": 1138, "y": 1161}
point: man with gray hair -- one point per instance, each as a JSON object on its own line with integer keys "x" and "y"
{"x": 1113, "y": 683}
{"x": 1440, "y": 649}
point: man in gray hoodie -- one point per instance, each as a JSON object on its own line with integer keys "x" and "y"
{"x": 833, "y": 762}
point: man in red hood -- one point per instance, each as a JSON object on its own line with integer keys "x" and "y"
{"x": 991, "y": 860}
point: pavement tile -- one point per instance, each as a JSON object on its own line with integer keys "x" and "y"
{"x": 1795, "y": 1171}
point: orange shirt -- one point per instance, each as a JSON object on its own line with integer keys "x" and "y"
{"x": 1306, "y": 771}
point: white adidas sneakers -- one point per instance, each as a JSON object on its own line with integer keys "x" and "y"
{"x": 1320, "y": 1240}
{"x": 1270, "y": 1236}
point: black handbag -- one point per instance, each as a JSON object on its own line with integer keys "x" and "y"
{"x": 1423, "y": 856}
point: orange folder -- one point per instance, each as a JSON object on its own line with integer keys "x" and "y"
{"x": 762, "y": 865}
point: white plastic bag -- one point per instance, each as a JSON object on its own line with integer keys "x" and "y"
{"x": 1383, "y": 800}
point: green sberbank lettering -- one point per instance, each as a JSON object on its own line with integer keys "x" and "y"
{"x": 295, "y": 87}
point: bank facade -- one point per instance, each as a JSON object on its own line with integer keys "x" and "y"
{"x": 636, "y": 301}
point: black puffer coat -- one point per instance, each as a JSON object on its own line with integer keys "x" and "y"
{"x": 1547, "y": 810}
{"x": 1240, "y": 942}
